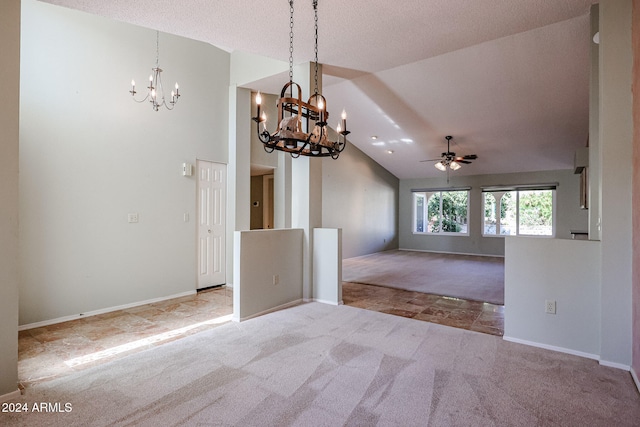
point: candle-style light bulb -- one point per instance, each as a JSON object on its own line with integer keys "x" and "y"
{"x": 258, "y": 102}
{"x": 177, "y": 87}
{"x": 321, "y": 108}
{"x": 153, "y": 93}
{"x": 133, "y": 83}
{"x": 339, "y": 129}
{"x": 264, "y": 121}
{"x": 344, "y": 120}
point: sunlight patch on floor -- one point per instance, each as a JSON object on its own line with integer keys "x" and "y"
{"x": 154, "y": 339}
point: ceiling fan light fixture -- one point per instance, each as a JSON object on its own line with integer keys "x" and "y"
{"x": 454, "y": 166}
{"x": 441, "y": 166}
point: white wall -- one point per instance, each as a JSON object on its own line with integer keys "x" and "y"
{"x": 616, "y": 140}
{"x": 9, "y": 123}
{"x": 260, "y": 255}
{"x": 360, "y": 197}
{"x": 327, "y": 265}
{"x": 565, "y": 271}
{"x": 569, "y": 216}
{"x": 239, "y": 171}
{"x": 90, "y": 155}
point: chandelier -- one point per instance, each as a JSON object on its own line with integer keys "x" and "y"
{"x": 302, "y": 126}
{"x": 155, "y": 93}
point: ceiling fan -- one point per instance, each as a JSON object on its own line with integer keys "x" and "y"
{"x": 449, "y": 160}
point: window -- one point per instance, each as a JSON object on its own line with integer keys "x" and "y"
{"x": 441, "y": 211}
{"x": 520, "y": 211}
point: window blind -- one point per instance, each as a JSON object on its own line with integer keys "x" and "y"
{"x": 435, "y": 190}
{"x": 545, "y": 186}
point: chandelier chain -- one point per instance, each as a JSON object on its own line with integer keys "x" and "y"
{"x": 157, "y": 47}
{"x": 290, "y": 40}
{"x": 315, "y": 9}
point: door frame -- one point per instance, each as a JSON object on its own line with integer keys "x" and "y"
{"x": 224, "y": 201}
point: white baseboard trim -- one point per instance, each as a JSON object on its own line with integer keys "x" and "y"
{"x": 101, "y": 311}
{"x": 449, "y": 253}
{"x": 236, "y": 318}
{"x": 615, "y": 365}
{"x": 10, "y": 396}
{"x": 327, "y": 301}
{"x": 576, "y": 353}
{"x": 635, "y": 378}
{"x": 553, "y": 348}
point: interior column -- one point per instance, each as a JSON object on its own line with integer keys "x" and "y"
{"x": 306, "y": 185}
{"x": 9, "y": 142}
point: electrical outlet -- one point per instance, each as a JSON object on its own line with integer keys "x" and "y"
{"x": 276, "y": 279}
{"x": 550, "y": 307}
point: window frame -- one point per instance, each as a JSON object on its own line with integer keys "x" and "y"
{"x": 517, "y": 189}
{"x": 426, "y": 194}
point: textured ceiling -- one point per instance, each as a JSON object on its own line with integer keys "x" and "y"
{"x": 508, "y": 79}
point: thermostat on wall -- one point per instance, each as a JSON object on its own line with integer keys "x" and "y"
{"x": 187, "y": 169}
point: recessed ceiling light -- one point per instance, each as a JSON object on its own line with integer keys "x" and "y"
{"x": 374, "y": 137}
{"x": 390, "y": 151}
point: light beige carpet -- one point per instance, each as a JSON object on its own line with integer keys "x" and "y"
{"x": 477, "y": 278}
{"x": 322, "y": 365}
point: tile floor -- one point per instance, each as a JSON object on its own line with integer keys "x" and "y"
{"x": 472, "y": 315}
{"x": 57, "y": 350}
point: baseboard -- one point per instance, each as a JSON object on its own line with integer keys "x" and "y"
{"x": 327, "y": 301}
{"x": 635, "y": 378}
{"x": 10, "y": 396}
{"x": 235, "y": 318}
{"x": 101, "y": 311}
{"x": 615, "y": 365}
{"x": 450, "y": 253}
{"x": 553, "y": 348}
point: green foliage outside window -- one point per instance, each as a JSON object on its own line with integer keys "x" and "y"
{"x": 454, "y": 211}
{"x": 534, "y": 214}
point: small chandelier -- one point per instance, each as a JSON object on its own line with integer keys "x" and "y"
{"x": 155, "y": 94}
{"x": 291, "y": 136}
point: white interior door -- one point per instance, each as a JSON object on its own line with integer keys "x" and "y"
{"x": 212, "y": 185}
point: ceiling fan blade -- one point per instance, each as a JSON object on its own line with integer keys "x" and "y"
{"x": 470, "y": 157}
{"x": 431, "y": 160}
{"x": 466, "y": 162}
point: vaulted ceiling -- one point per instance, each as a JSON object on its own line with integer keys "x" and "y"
{"x": 509, "y": 80}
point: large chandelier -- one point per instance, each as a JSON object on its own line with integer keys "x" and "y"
{"x": 302, "y": 126}
{"x": 155, "y": 93}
